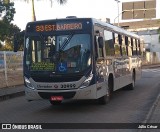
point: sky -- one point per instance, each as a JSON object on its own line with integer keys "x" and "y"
{"x": 99, "y": 9}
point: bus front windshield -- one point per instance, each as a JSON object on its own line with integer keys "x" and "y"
{"x": 69, "y": 53}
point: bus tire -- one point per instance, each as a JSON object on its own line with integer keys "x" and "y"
{"x": 55, "y": 102}
{"x": 132, "y": 85}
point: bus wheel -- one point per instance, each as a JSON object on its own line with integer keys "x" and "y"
{"x": 55, "y": 102}
{"x": 132, "y": 85}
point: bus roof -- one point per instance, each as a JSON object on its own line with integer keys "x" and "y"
{"x": 115, "y": 28}
{"x": 108, "y": 26}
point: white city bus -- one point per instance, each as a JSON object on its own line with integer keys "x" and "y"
{"x": 78, "y": 58}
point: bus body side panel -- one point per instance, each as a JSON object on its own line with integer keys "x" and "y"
{"x": 86, "y": 93}
{"x": 127, "y": 71}
{"x": 136, "y": 65}
{"x": 102, "y": 79}
{"x": 139, "y": 69}
{"x": 118, "y": 70}
{"x": 116, "y": 84}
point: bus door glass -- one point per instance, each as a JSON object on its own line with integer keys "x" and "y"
{"x": 99, "y": 57}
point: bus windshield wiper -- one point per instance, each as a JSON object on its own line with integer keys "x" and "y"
{"x": 66, "y": 41}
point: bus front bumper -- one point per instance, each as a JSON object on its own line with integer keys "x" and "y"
{"x": 73, "y": 94}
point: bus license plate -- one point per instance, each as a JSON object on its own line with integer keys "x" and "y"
{"x": 56, "y": 98}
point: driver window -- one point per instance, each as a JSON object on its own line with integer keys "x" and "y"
{"x": 98, "y": 51}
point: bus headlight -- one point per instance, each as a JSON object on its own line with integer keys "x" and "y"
{"x": 87, "y": 81}
{"x": 28, "y": 83}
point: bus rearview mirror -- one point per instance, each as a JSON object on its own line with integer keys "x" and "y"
{"x": 100, "y": 41}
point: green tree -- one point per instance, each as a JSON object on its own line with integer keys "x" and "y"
{"x": 13, "y": 29}
{"x": 8, "y": 8}
{"x": 7, "y": 29}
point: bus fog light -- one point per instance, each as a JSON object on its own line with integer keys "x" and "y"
{"x": 28, "y": 83}
{"x": 87, "y": 81}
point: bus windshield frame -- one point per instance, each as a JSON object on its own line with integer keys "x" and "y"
{"x": 58, "y": 53}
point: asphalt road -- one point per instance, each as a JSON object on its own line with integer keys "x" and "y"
{"x": 125, "y": 106}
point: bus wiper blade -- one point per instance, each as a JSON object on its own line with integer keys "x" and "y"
{"x": 65, "y": 43}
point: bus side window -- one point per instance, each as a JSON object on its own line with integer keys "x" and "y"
{"x": 120, "y": 43}
{"x": 98, "y": 50}
{"x": 124, "y": 51}
{"x": 136, "y": 43}
{"x": 129, "y": 47}
{"x": 134, "y": 47}
{"x": 116, "y": 45}
{"x": 113, "y": 38}
{"x": 109, "y": 43}
{"x": 126, "y": 43}
{"x": 139, "y": 45}
{"x": 138, "y": 48}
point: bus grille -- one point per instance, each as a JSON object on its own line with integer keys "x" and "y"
{"x": 56, "y": 79}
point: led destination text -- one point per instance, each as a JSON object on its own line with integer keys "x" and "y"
{"x": 49, "y": 27}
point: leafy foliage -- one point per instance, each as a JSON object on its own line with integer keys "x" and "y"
{"x": 7, "y": 29}
{"x": 8, "y": 9}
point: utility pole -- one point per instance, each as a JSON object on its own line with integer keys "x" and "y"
{"x": 118, "y": 1}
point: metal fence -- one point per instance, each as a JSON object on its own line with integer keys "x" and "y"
{"x": 11, "y": 68}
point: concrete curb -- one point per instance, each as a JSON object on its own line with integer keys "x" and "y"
{"x": 13, "y": 95}
{"x": 11, "y": 92}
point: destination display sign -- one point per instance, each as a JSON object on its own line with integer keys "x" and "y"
{"x": 58, "y": 27}
{"x": 40, "y": 66}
